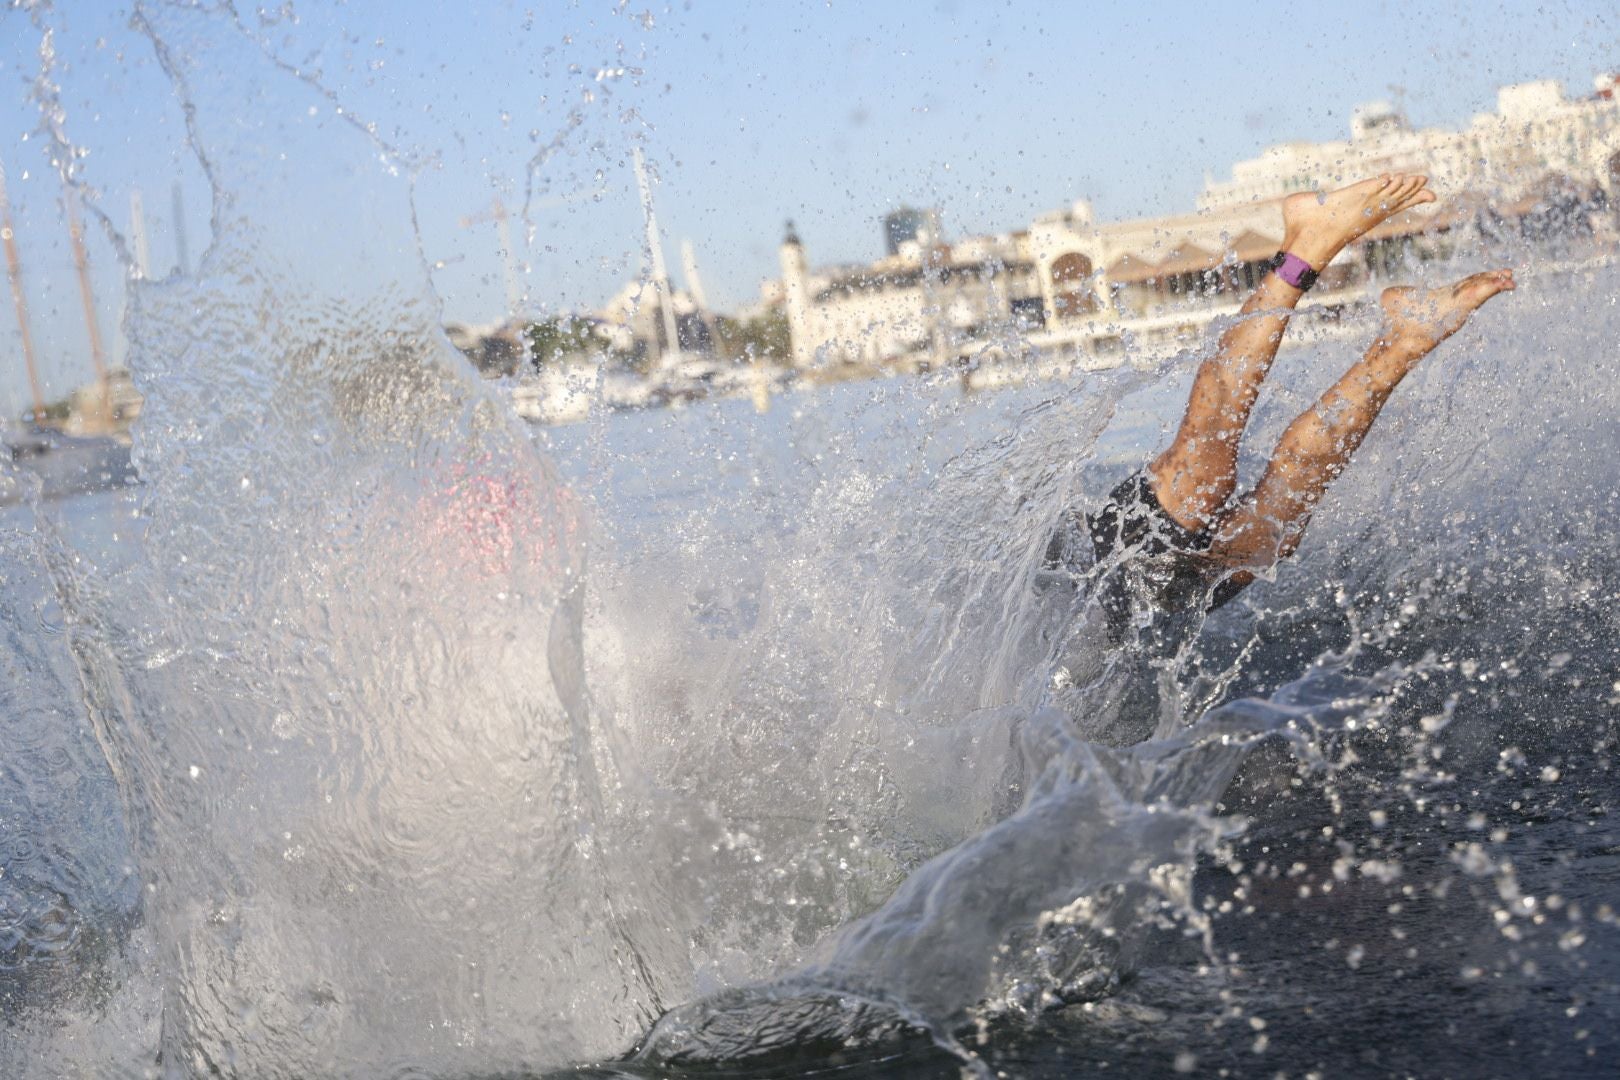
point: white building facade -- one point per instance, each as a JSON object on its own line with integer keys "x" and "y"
{"x": 1534, "y": 132}
{"x": 1074, "y": 285}
{"x": 911, "y": 309}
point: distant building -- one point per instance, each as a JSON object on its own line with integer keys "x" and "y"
{"x": 1534, "y": 131}
{"x": 918, "y": 306}
{"x": 1541, "y": 168}
{"x": 910, "y": 226}
{"x": 104, "y": 408}
{"x": 633, "y": 323}
{"x": 1095, "y": 275}
{"x": 496, "y": 349}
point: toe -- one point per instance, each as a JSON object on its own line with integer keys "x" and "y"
{"x": 1416, "y": 198}
{"x": 1398, "y": 194}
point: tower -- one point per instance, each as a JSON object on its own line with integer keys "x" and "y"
{"x": 796, "y": 293}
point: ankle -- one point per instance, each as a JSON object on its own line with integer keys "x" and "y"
{"x": 1391, "y": 359}
{"x": 1318, "y": 251}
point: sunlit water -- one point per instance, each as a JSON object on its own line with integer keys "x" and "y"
{"x": 376, "y": 735}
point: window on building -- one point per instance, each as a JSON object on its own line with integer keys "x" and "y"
{"x": 1072, "y": 294}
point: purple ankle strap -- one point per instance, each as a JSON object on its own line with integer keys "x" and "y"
{"x": 1293, "y": 269}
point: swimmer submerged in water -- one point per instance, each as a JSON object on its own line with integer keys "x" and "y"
{"x": 1173, "y": 533}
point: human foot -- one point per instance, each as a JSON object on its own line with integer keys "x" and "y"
{"x": 1419, "y": 319}
{"x": 1317, "y": 225}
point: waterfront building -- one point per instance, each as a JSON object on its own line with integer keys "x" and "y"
{"x": 496, "y": 349}
{"x": 909, "y": 225}
{"x": 106, "y": 407}
{"x": 1540, "y": 168}
{"x": 1534, "y": 132}
{"x": 1151, "y": 277}
{"x": 911, "y": 309}
{"x": 633, "y": 324}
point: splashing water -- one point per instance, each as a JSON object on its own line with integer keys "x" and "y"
{"x": 348, "y": 839}
{"x": 334, "y": 758}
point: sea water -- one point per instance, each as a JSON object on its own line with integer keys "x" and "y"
{"x": 374, "y": 734}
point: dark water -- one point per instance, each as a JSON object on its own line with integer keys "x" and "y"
{"x": 1431, "y": 891}
{"x": 1424, "y": 875}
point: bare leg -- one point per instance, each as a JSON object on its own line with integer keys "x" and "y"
{"x": 1195, "y": 477}
{"x": 1269, "y": 522}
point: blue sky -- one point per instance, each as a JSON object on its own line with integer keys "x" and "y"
{"x": 830, "y": 112}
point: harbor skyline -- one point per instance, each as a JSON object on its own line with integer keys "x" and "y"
{"x": 832, "y": 117}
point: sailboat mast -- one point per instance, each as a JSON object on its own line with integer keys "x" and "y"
{"x": 81, "y": 264}
{"x": 8, "y": 234}
{"x": 137, "y": 236}
{"x": 655, "y": 253}
{"x": 181, "y": 255}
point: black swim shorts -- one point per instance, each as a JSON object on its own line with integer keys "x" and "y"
{"x": 1146, "y": 555}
